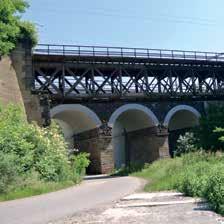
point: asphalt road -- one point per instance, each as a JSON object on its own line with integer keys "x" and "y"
{"x": 57, "y": 205}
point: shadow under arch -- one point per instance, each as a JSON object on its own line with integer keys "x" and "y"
{"x": 132, "y": 126}
{"x": 179, "y": 120}
{"x": 77, "y": 120}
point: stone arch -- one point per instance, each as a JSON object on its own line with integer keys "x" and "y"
{"x": 76, "y": 108}
{"x": 80, "y": 127}
{"x": 132, "y": 126}
{"x": 133, "y": 106}
{"x": 179, "y": 120}
{"x": 178, "y": 108}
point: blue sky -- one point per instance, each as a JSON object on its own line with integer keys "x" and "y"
{"x": 170, "y": 24}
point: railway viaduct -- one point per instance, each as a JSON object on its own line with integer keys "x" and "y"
{"x": 121, "y": 105}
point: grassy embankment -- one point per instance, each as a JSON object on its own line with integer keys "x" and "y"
{"x": 194, "y": 174}
{"x": 37, "y": 189}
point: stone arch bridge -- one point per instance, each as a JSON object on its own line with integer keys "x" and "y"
{"x": 121, "y": 105}
{"x": 116, "y": 134}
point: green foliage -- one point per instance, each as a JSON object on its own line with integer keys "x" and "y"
{"x": 12, "y": 28}
{"x": 79, "y": 163}
{"x": 8, "y": 171}
{"x": 28, "y": 32}
{"x": 27, "y": 149}
{"x": 215, "y": 189}
{"x": 208, "y": 138}
{"x": 161, "y": 174}
{"x": 34, "y": 187}
{"x": 195, "y": 174}
{"x": 185, "y": 144}
{"x": 193, "y": 180}
{"x": 51, "y": 155}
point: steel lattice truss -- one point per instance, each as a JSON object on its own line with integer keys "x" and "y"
{"x": 69, "y": 81}
{"x": 83, "y": 77}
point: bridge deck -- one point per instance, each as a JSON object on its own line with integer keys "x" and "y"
{"x": 101, "y": 73}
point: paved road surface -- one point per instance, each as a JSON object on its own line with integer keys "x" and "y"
{"x": 53, "y": 206}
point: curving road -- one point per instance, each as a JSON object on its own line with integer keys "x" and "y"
{"x": 53, "y": 206}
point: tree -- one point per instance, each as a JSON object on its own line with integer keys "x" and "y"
{"x": 186, "y": 143}
{"x": 12, "y": 28}
{"x": 210, "y": 129}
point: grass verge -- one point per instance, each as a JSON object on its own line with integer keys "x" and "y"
{"x": 161, "y": 175}
{"x": 195, "y": 174}
{"x": 37, "y": 189}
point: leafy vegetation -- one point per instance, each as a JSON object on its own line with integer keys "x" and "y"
{"x": 195, "y": 174}
{"x": 185, "y": 144}
{"x": 12, "y": 28}
{"x": 207, "y": 132}
{"x": 31, "y": 156}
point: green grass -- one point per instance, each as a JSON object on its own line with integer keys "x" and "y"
{"x": 195, "y": 174}
{"x": 161, "y": 175}
{"x": 37, "y": 189}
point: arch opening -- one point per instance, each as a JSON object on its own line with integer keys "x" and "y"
{"x": 76, "y": 122}
{"x": 127, "y": 122}
{"x": 180, "y": 120}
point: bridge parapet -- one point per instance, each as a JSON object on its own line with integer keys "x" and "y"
{"x": 125, "y": 52}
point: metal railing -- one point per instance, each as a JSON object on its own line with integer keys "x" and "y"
{"x": 124, "y": 52}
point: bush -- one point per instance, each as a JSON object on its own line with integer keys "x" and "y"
{"x": 202, "y": 175}
{"x": 40, "y": 149}
{"x": 193, "y": 179}
{"x": 79, "y": 164}
{"x": 215, "y": 190}
{"x": 50, "y": 154}
{"x": 198, "y": 174}
{"x": 8, "y": 172}
{"x": 27, "y": 149}
{"x": 185, "y": 144}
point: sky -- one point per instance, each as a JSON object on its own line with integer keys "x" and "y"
{"x": 160, "y": 24}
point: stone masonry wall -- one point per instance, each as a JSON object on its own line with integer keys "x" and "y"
{"x": 100, "y": 149}
{"x": 144, "y": 146}
{"x": 15, "y": 78}
{"x": 22, "y": 63}
{"x": 147, "y": 145}
{"x": 9, "y": 86}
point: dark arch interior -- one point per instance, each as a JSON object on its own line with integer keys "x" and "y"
{"x": 181, "y": 122}
{"x": 129, "y": 121}
{"x": 77, "y": 123}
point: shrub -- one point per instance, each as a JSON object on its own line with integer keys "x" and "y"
{"x": 79, "y": 163}
{"x": 198, "y": 174}
{"x": 27, "y": 149}
{"x": 8, "y": 171}
{"x": 40, "y": 149}
{"x": 193, "y": 178}
{"x": 215, "y": 189}
{"x": 185, "y": 144}
{"x": 50, "y": 154}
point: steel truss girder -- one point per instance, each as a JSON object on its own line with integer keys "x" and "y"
{"x": 90, "y": 80}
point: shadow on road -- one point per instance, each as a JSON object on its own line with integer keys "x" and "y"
{"x": 98, "y": 177}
